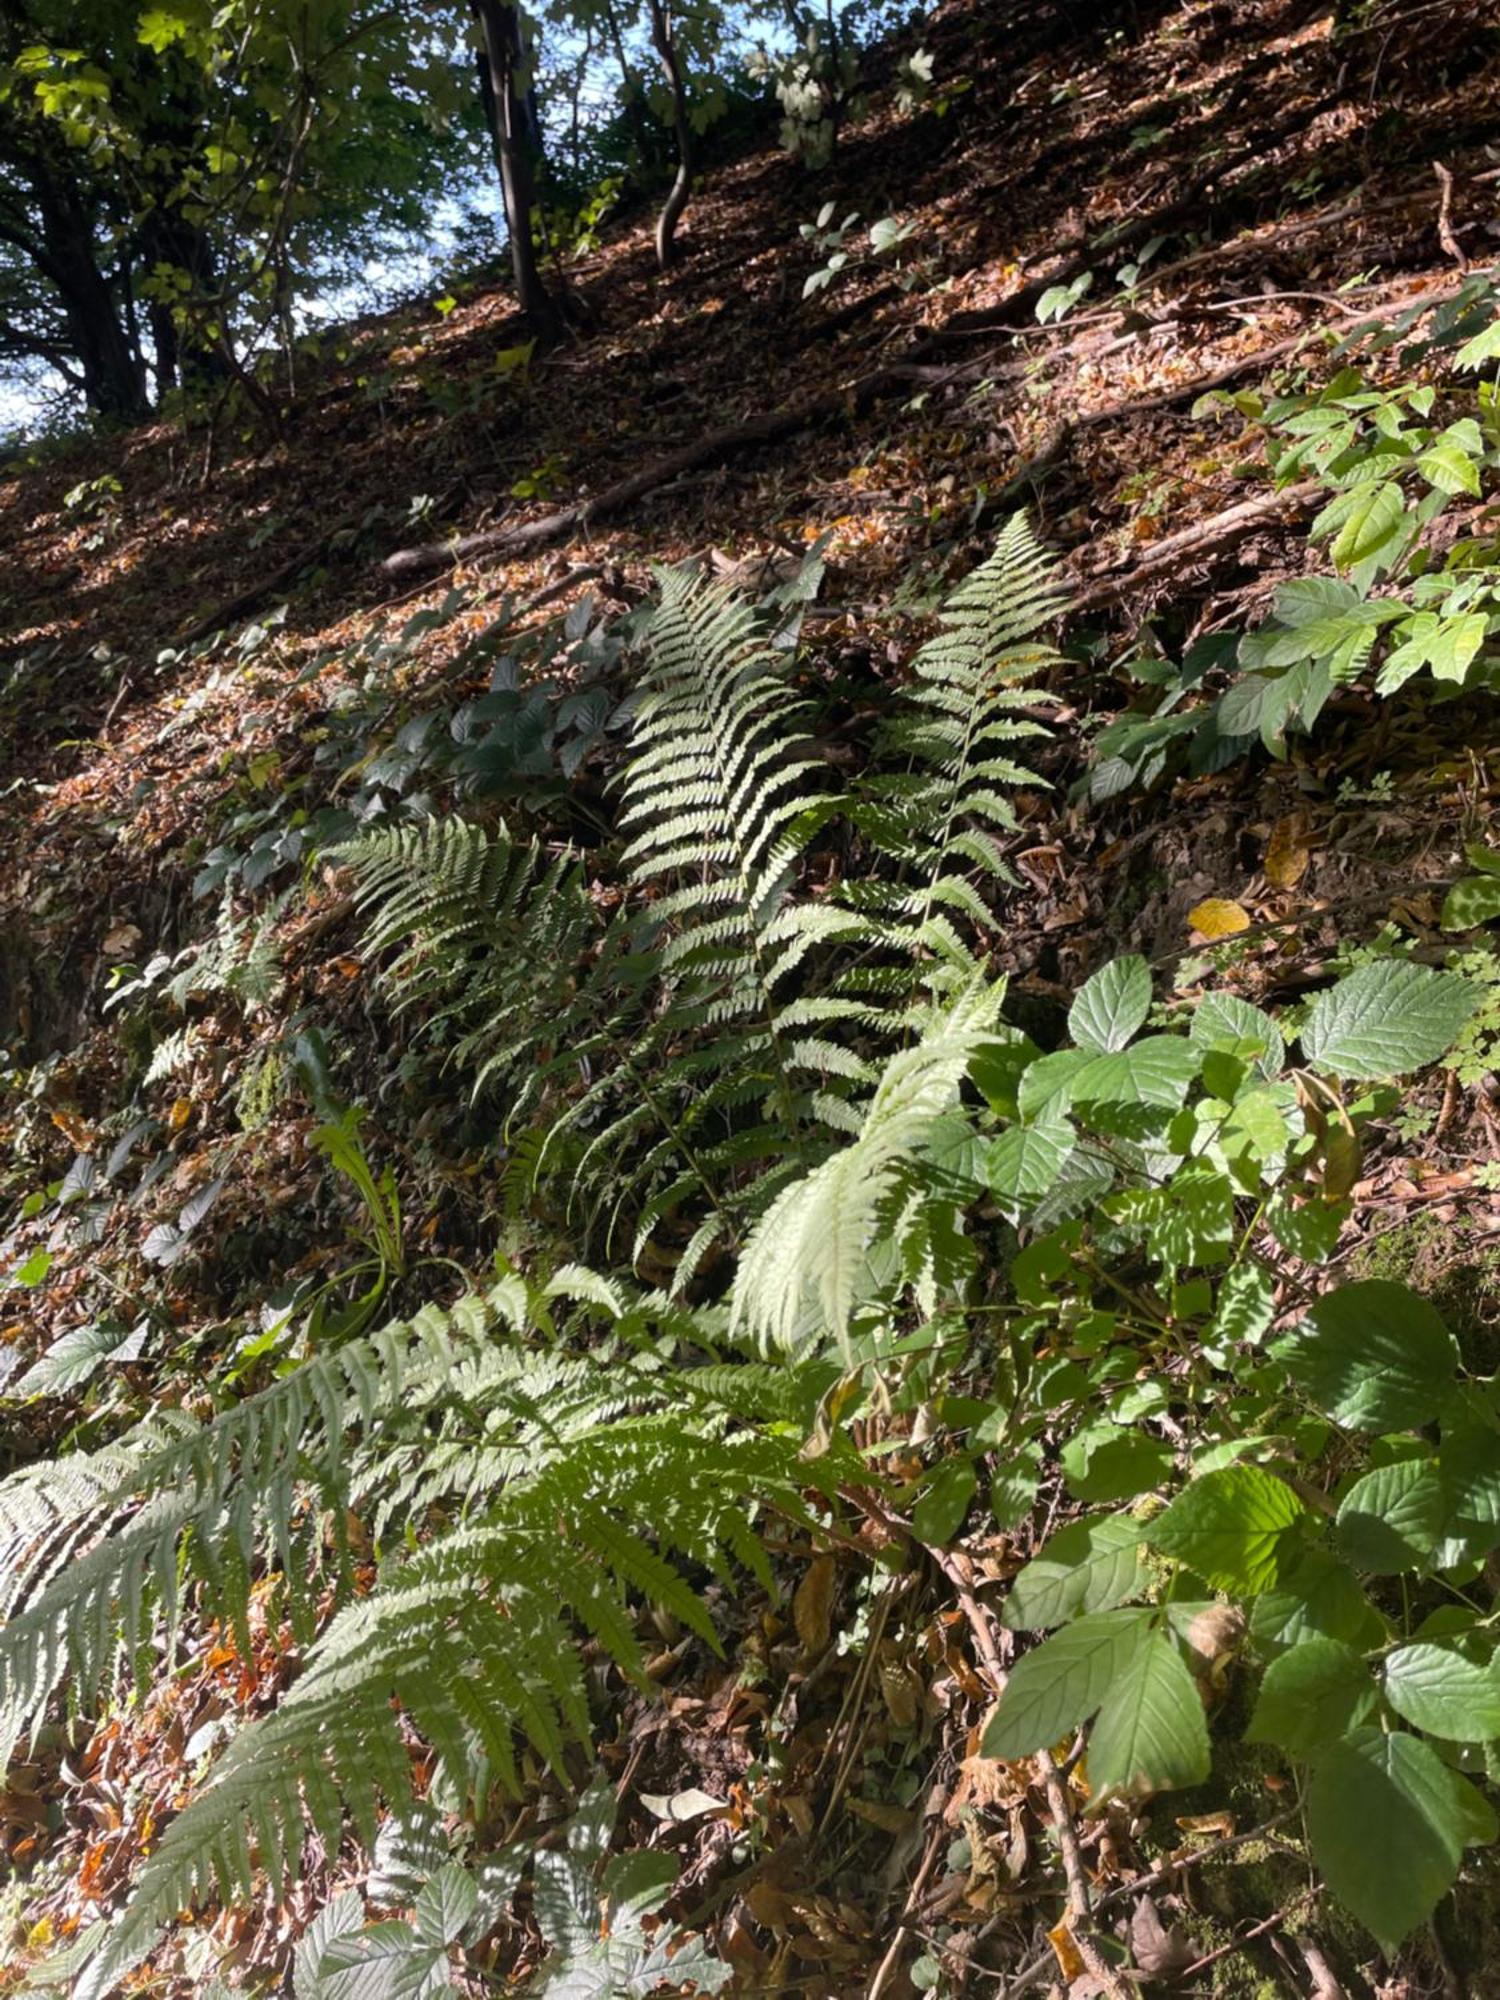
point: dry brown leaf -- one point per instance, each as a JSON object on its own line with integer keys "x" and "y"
{"x": 1288, "y": 852}
{"x": 812, "y": 1607}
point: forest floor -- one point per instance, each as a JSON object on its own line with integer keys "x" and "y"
{"x": 210, "y": 644}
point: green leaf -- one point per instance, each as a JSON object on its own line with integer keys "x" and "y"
{"x": 1224, "y": 1022}
{"x": 1089, "y": 1565}
{"x": 1013, "y": 1491}
{"x": 1447, "y": 466}
{"x": 1064, "y": 1680}
{"x": 1373, "y": 1356}
{"x": 1310, "y": 1696}
{"x": 944, "y": 1501}
{"x": 1376, "y": 519}
{"x": 1387, "y": 1019}
{"x": 1024, "y": 1161}
{"x": 1230, "y": 1527}
{"x": 1485, "y": 346}
{"x": 1150, "y": 1734}
{"x": 1106, "y": 1462}
{"x": 158, "y": 29}
{"x": 1246, "y": 1305}
{"x": 1440, "y": 1691}
{"x": 1388, "y": 1824}
{"x": 1393, "y": 1518}
{"x": 1112, "y": 1006}
{"x": 77, "y": 1356}
{"x": 1473, "y": 901}
{"x": 1318, "y": 1596}
{"x": 33, "y": 1270}
{"x": 1156, "y": 1071}
{"x": 445, "y": 1905}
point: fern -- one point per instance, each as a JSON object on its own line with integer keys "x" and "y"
{"x": 570, "y": 1491}
{"x": 942, "y": 819}
{"x": 485, "y": 937}
{"x": 809, "y": 1262}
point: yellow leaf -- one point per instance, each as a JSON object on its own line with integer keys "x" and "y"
{"x": 181, "y": 1112}
{"x": 1069, "y": 1958}
{"x": 1218, "y": 918}
{"x": 40, "y": 1935}
{"x": 1287, "y": 853}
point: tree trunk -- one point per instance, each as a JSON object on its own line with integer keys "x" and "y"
{"x": 677, "y": 200}
{"x": 114, "y": 382}
{"x": 500, "y": 31}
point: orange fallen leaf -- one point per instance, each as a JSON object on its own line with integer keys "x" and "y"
{"x": 1069, "y": 1958}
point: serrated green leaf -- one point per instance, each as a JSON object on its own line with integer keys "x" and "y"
{"x": 1223, "y": 1021}
{"x": 1156, "y": 1071}
{"x": 1318, "y": 1596}
{"x": 1311, "y": 1696}
{"x": 1089, "y": 1565}
{"x": 1112, "y": 1006}
{"x": 1063, "y": 1681}
{"x": 445, "y": 1905}
{"x": 1387, "y": 1019}
{"x": 1448, "y": 467}
{"x": 1107, "y": 1462}
{"x": 1438, "y": 1690}
{"x": 1231, "y": 1527}
{"x": 1388, "y": 1825}
{"x": 1393, "y": 1518}
{"x": 1150, "y": 1734}
{"x": 1246, "y": 1305}
{"x": 1484, "y": 347}
{"x": 1373, "y": 1356}
{"x": 1023, "y": 1162}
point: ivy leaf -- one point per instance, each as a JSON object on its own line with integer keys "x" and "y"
{"x": 1311, "y": 1696}
{"x": 1389, "y": 1822}
{"x": 1230, "y": 1527}
{"x": 1373, "y": 1356}
{"x": 1064, "y": 1681}
{"x": 1111, "y": 1007}
{"x": 1393, "y": 1518}
{"x": 1090, "y": 1565}
{"x": 1440, "y": 1691}
{"x": 1150, "y": 1734}
{"x": 1387, "y": 1019}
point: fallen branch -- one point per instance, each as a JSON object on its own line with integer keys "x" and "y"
{"x": 765, "y": 429}
{"x": 1204, "y": 538}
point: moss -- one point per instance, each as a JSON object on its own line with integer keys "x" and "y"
{"x": 1456, "y": 1267}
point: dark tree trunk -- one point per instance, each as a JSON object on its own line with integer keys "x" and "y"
{"x": 114, "y": 382}
{"x": 677, "y": 200}
{"x": 500, "y": 31}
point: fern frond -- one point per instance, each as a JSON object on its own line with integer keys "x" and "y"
{"x": 807, "y": 1264}
{"x": 945, "y": 813}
